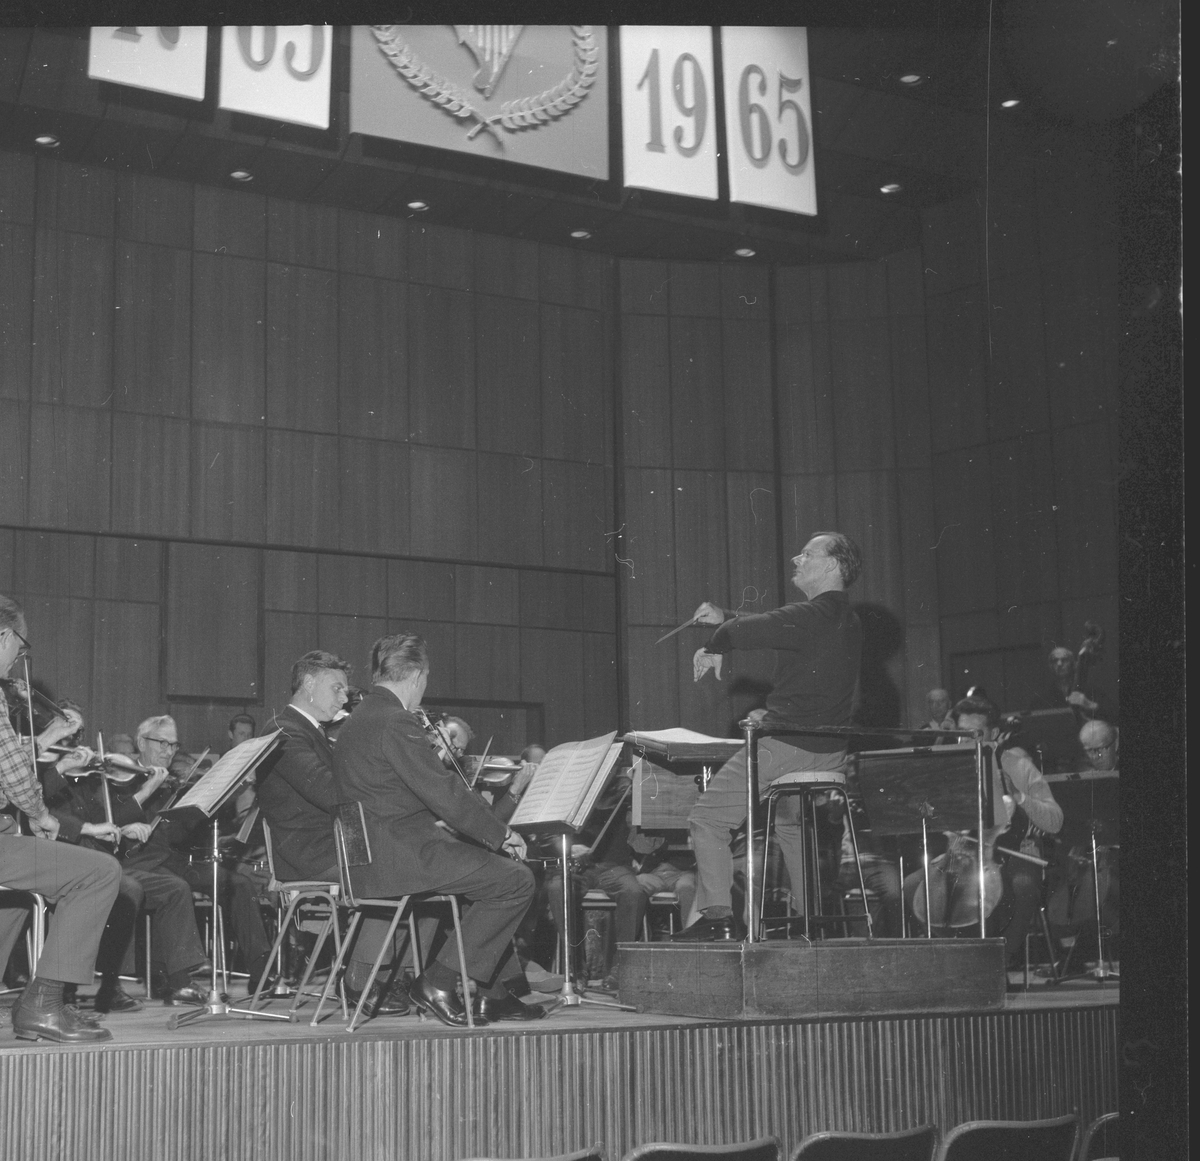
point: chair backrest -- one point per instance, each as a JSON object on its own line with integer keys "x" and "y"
{"x": 273, "y": 885}
{"x": 1049, "y": 1140}
{"x": 760, "y": 1149}
{"x": 1100, "y": 1140}
{"x": 904, "y": 1145}
{"x": 351, "y": 842}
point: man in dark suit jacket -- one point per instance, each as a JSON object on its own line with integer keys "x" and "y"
{"x": 296, "y": 791}
{"x": 384, "y": 760}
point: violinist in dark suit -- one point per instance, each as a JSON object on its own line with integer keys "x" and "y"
{"x": 384, "y": 760}
{"x": 295, "y": 790}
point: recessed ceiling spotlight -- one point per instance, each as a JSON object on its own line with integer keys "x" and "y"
{"x": 891, "y": 187}
{"x": 418, "y": 207}
{"x": 911, "y": 79}
{"x": 1011, "y": 103}
{"x": 47, "y": 141}
{"x": 581, "y": 234}
{"x": 745, "y": 252}
{"x": 242, "y": 175}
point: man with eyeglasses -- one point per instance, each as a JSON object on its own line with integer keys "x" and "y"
{"x": 81, "y": 884}
{"x": 1101, "y": 743}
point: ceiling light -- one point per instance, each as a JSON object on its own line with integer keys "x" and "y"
{"x": 745, "y": 252}
{"x": 891, "y": 187}
{"x": 911, "y": 79}
{"x": 1011, "y": 103}
{"x": 242, "y": 175}
{"x": 581, "y": 234}
{"x": 418, "y": 207}
{"x": 47, "y": 141}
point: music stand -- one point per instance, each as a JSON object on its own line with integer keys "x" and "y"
{"x": 1053, "y": 734}
{"x": 202, "y": 803}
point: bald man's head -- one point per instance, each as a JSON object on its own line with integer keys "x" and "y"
{"x": 1100, "y": 743}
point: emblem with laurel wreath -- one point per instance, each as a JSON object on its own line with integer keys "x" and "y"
{"x": 514, "y": 116}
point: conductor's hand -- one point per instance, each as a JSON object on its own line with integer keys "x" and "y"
{"x": 708, "y": 614}
{"x": 703, "y": 661}
{"x": 137, "y": 832}
{"x": 513, "y": 845}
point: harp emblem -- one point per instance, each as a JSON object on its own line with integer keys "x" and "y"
{"x": 491, "y": 45}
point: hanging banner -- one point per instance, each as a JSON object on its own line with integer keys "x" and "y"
{"x": 167, "y": 59}
{"x": 668, "y": 109}
{"x": 531, "y": 93}
{"x": 279, "y": 71}
{"x": 768, "y": 118}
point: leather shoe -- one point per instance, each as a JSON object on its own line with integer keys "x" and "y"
{"x": 704, "y": 930}
{"x": 59, "y": 1022}
{"x": 115, "y": 999}
{"x": 491, "y": 1009}
{"x": 446, "y": 1006}
{"x": 188, "y": 994}
{"x": 393, "y": 1002}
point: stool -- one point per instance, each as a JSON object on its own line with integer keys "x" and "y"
{"x": 853, "y": 898}
{"x": 810, "y": 785}
{"x": 666, "y": 899}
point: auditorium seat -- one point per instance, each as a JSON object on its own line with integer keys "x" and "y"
{"x": 1100, "y": 1142}
{"x": 1053, "y": 1139}
{"x": 760, "y": 1149}
{"x": 905, "y": 1145}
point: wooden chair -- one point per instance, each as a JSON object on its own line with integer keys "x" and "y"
{"x": 905, "y": 1145}
{"x": 1053, "y": 1139}
{"x": 296, "y": 893}
{"x": 760, "y": 1149}
{"x": 1100, "y": 1142}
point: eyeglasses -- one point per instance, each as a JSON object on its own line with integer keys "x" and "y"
{"x": 26, "y": 649}
{"x": 1096, "y": 751}
{"x": 162, "y": 742}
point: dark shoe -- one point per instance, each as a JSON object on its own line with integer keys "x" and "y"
{"x": 446, "y": 1006}
{"x": 609, "y": 984}
{"x": 393, "y": 1002}
{"x": 188, "y": 994}
{"x": 708, "y": 931}
{"x": 508, "y": 1008}
{"x": 115, "y": 998}
{"x": 59, "y": 1022}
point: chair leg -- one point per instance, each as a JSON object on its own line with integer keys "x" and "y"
{"x": 336, "y": 967}
{"x": 383, "y": 950}
{"x": 284, "y": 922}
{"x": 462, "y": 960}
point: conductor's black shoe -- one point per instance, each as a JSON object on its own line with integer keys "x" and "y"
{"x": 708, "y": 931}
{"x": 491, "y": 1009}
{"x": 114, "y": 998}
{"x": 393, "y": 1002}
{"x": 446, "y": 1006}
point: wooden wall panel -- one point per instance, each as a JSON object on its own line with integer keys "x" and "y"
{"x": 645, "y": 287}
{"x": 205, "y": 724}
{"x": 230, "y": 222}
{"x": 860, "y": 359}
{"x": 749, "y": 426}
{"x": 302, "y": 489}
{"x": 697, "y": 397}
{"x": 510, "y": 509}
{"x": 753, "y": 546}
{"x": 553, "y": 600}
{"x": 923, "y": 670}
{"x": 287, "y": 637}
{"x": 487, "y": 661}
{"x": 126, "y": 666}
{"x": 14, "y": 461}
{"x": 809, "y": 505}
{"x": 1085, "y": 492}
{"x": 290, "y": 581}
{"x": 868, "y": 513}
{"x": 18, "y": 184}
{"x": 552, "y": 674}
{"x": 441, "y": 256}
{"x": 601, "y": 711}
{"x": 129, "y": 570}
{"x": 1022, "y": 521}
{"x": 577, "y": 515}
{"x": 228, "y": 340}
{"x": 72, "y": 318}
{"x": 151, "y": 475}
{"x": 373, "y": 495}
{"x": 155, "y": 209}
{"x": 61, "y": 629}
{"x": 152, "y": 359}
{"x": 652, "y": 689}
{"x": 302, "y": 348}
{"x": 439, "y": 638}
{"x": 918, "y": 534}
{"x": 646, "y": 391}
{"x": 695, "y": 289}
{"x": 905, "y": 282}
{"x": 213, "y": 603}
{"x": 805, "y": 394}
{"x": 70, "y": 466}
{"x": 372, "y": 357}
{"x": 80, "y": 198}
{"x": 1012, "y": 232}
{"x": 508, "y": 375}
{"x": 573, "y": 278}
{"x": 16, "y": 309}
{"x": 302, "y": 233}
{"x": 54, "y": 564}
{"x": 701, "y": 543}
{"x": 228, "y": 482}
{"x": 857, "y": 290}
{"x": 6, "y": 561}
{"x": 911, "y": 416}
{"x": 444, "y": 513}
{"x": 507, "y": 266}
{"x": 373, "y": 244}
{"x": 952, "y": 246}
{"x": 1017, "y": 396}
{"x": 420, "y": 590}
{"x": 441, "y": 365}
{"x": 576, "y": 368}
{"x": 745, "y": 291}
{"x": 598, "y": 603}
{"x": 352, "y": 584}
{"x": 351, "y": 639}
{"x": 966, "y": 564}
{"x": 957, "y": 352}
{"x": 486, "y": 595}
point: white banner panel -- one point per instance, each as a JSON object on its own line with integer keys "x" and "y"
{"x": 279, "y": 71}
{"x": 768, "y": 118}
{"x": 166, "y": 59}
{"x": 668, "y": 109}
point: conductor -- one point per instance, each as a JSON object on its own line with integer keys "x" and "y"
{"x": 818, "y": 650}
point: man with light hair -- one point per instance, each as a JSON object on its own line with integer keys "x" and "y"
{"x": 1101, "y": 743}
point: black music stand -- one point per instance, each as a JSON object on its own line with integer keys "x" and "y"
{"x": 202, "y": 803}
{"x": 1053, "y": 735}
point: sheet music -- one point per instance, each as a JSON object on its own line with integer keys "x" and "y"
{"x": 567, "y": 782}
{"x": 227, "y": 772}
{"x": 680, "y": 744}
{"x": 679, "y": 734}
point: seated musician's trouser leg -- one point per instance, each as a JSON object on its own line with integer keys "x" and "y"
{"x": 882, "y": 877}
{"x": 1025, "y": 882}
{"x": 174, "y": 937}
{"x": 666, "y": 877}
{"x": 118, "y": 931}
{"x": 81, "y": 884}
{"x": 721, "y": 809}
{"x": 621, "y": 885}
{"x": 239, "y": 897}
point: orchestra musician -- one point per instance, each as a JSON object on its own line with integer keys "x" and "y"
{"x": 384, "y": 761}
{"x": 82, "y": 885}
{"x": 818, "y": 644}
